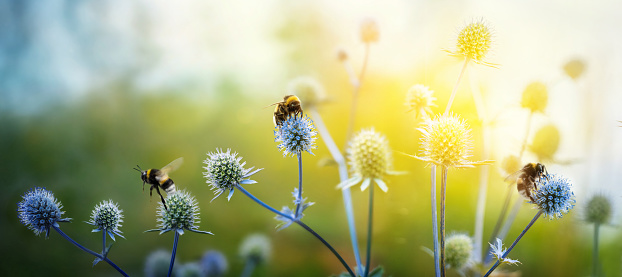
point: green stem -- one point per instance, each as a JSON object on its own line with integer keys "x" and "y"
{"x": 595, "y": 254}
{"x": 369, "y": 230}
{"x": 89, "y": 251}
{"x": 249, "y": 267}
{"x": 455, "y": 89}
{"x": 175, "y": 241}
{"x": 443, "y": 193}
{"x": 507, "y": 252}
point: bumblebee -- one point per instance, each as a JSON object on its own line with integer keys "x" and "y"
{"x": 288, "y": 107}
{"x": 158, "y": 178}
{"x": 527, "y": 178}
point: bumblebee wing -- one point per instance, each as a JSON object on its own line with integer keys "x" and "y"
{"x": 174, "y": 165}
{"x": 272, "y": 104}
{"x": 512, "y": 178}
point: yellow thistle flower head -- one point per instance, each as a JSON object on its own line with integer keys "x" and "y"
{"x": 369, "y": 30}
{"x": 535, "y": 97}
{"x": 511, "y": 164}
{"x": 420, "y": 100}
{"x": 447, "y": 142}
{"x": 308, "y": 89}
{"x": 474, "y": 41}
{"x": 545, "y": 142}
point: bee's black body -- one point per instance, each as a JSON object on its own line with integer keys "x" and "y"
{"x": 527, "y": 179}
{"x": 158, "y": 178}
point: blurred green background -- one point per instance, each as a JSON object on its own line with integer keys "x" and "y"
{"x": 92, "y": 89}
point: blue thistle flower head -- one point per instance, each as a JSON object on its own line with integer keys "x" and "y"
{"x": 214, "y": 263}
{"x": 554, "y": 196}
{"x": 296, "y": 134}
{"x": 107, "y": 217}
{"x": 224, "y": 171}
{"x": 39, "y": 210}
{"x": 182, "y": 214}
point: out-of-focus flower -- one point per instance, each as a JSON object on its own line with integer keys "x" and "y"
{"x": 295, "y": 135}
{"x": 535, "y": 97}
{"x": 39, "y": 210}
{"x": 107, "y": 217}
{"x": 190, "y": 270}
{"x": 369, "y": 30}
{"x": 224, "y": 171}
{"x": 182, "y": 214}
{"x": 511, "y": 164}
{"x": 420, "y": 100}
{"x": 256, "y": 247}
{"x": 545, "y": 143}
{"x": 598, "y": 210}
{"x": 554, "y": 196}
{"x": 342, "y": 54}
{"x": 447, "y": 142}
{"x": 574, "y": 68}
{"x": 214, "y": 263}
{"x": 458, "y": 250}
{"x": 157, "y": 263}
{"x": 308, "y": 89}
{"x": 474, "y": 42}
{"x": 369, "y": 157}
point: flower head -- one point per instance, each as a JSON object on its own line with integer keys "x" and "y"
{"x": 369, "y": 30}
{"x": 511, "y": 164}
{"x": 447, "y": 142}
{"x": 369, "y": 156}
{"x": 474, "y": 41}
{"x": 574, "y": 68}
{"x": 107, "y": 217}
{"x": 296, "y": 134}
{"x": 458, "y": 249}
{"x": 224, "y": 171}
{"x": 157, "y": 263}
{"x": 190, "y": 270}
{"x": 420, "y": 100}
{"x": 182, "y": 214}
{"x": 39, "y": 210}
{"x": 308, "y": 89}
{"x": 598, "y": 210}
{"x": 554, "y": 196}
{"x": 535, "y": 97}
{"x": 214, "y": 263}
{"x": 545, "y": 142}
{"x": 256, "y": 247}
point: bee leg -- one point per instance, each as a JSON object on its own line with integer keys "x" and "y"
{"x": 161, "y": 197}
{"x": 151, "y": 191}
{"x": 143, "y": 186}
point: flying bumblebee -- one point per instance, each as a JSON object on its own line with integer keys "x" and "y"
{"x": 527, "y": 177}
{"x": 158, "y": 178}
{"x": 288, "y": 107}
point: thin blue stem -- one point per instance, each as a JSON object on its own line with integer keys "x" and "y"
{"x": 343, "y": 175}
{"x": 369, "y": 230}
{"x": 301, "y": 224}
{"x": 299, "y": 199}
{"x": 175, "y": 241}
{"x": 89, "y": 251}
{"x": 104, "y": 243}
{"x": 437, "y": 266}
{"x": 443, "y": 193}
{"x": 249, "y": 267}
{"x": 507, "y": 252}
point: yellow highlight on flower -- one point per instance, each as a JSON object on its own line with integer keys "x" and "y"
{"x": 474, "y": 42}
{"x": 420, "y": 100}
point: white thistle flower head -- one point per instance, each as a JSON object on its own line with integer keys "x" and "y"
{"x": 419, "y": 99}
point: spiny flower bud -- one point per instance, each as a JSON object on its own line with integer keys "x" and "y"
{"x": 107, "y": 217}
{"x": 535, "y": 97}
{"x": 39, "y": 210}
{"x": 474, "y": 41}
{"x": 182, "y": 214}
{"x": 157, "y": 263}
{"x": 447, "y": 142}
{"x": 214, "y": 263}
{"x": 256, "y": 247}
{"x": 308, "y": 89}
{"x": 224, "y": 171}
{"x": 574, "y": 68}
{"x": 598, "y": 210}
{"x": 420, "y": 100}
{"x": 545, "y": 142}
{"x": 554, "y": 196}
{"x": 458, "y": 249}
{"x": 369, "y": 30}
{"x": 296, "y": 134}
